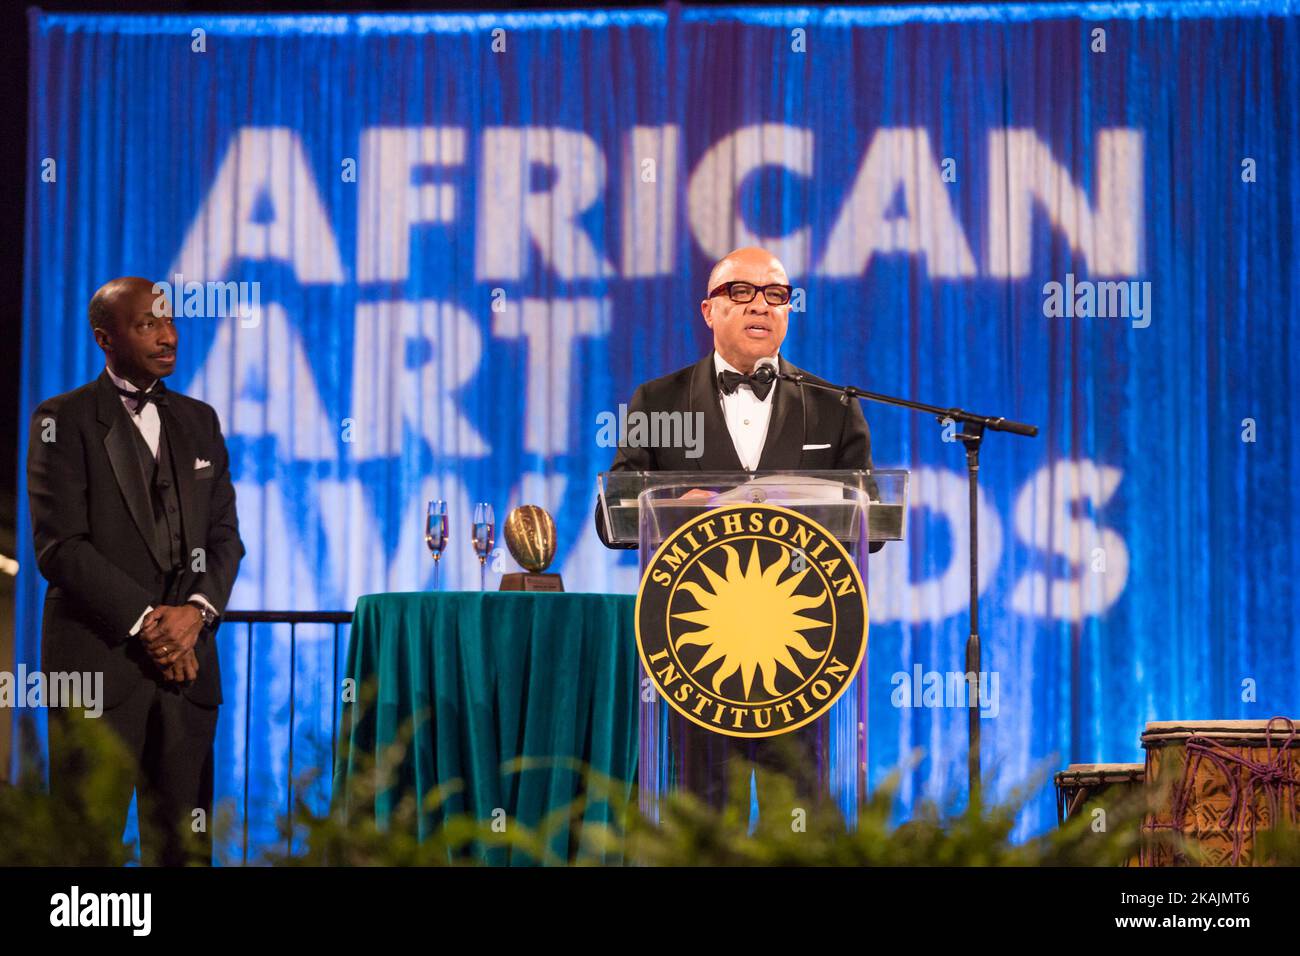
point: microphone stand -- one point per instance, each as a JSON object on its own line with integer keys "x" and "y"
{"x": 971, "y": 435}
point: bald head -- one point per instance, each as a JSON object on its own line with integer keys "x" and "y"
{"x": 108, "y": 299}
{"x": 745, "y": 263}
{"x": 132, "y": 323}
{"x": 745, "y": 332}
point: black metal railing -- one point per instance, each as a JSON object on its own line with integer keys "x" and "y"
{"x": 293, "y": 619}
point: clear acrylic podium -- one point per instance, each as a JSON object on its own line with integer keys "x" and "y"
{"x": 859, "y": 508}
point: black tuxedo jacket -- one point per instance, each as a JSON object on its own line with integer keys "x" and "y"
{"x": 94, "y": 534}
{"x": 809, "y": 428}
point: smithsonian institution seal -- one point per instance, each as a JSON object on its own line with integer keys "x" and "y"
{"x": 751, "y": 620}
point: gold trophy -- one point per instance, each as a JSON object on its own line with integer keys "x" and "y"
{"x": 530, "y": 536}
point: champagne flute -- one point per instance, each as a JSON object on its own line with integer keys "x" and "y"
{"x": 435, "y": 536}
{"x": 483, "y": 538}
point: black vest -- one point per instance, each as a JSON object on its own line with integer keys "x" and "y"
{"x": 165, "y": 506}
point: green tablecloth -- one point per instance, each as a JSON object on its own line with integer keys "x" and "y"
{"x": 481, "y": 678}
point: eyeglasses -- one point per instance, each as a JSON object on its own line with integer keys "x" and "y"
{"x": 745, "y": 292}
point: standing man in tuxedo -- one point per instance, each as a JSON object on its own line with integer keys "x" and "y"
{"x": 752, "y": 421}
{"x": 134, "y": 526}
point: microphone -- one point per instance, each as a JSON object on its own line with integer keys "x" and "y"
{"x": 765, "y": 372}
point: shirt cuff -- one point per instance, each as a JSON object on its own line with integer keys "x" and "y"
{"x": 204, "y": 601}
{"x": 139, "y": 622}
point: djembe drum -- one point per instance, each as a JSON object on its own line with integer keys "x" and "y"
{"x": 1220, "y": 782}
{"x": 1112, "y": 787}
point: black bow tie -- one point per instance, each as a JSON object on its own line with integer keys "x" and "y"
{"x": 760, "y": 380}
{"x": 157, "y": 394}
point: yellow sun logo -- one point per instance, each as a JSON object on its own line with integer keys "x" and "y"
{"x": 752, "y": 620}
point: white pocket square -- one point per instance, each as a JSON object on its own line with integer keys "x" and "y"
{"x": 201, "y": 463}
{"x": 816, "y": 447}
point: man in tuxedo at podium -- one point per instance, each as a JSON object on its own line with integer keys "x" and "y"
{"x": 134, "y": 526}
{"x": 752, "y": 422}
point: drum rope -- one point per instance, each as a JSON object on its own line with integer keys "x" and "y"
{"x": 1272, "y": 774}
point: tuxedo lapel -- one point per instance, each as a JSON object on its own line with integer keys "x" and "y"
{"x": 783, "y": 447}
{"x": 183, "y": 458}
{"x": 719, "y": 451}
{"x": 119, "y": 444}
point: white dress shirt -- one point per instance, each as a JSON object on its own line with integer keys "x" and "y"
{"x": 746, "y": 416}
{"x": 150, "y": 426}
{"x": 145, "y": 418}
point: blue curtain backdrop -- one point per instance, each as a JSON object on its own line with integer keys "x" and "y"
{"x": 472, "y": 234}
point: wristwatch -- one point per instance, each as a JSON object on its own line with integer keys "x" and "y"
{"x": 209, "y": 616}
